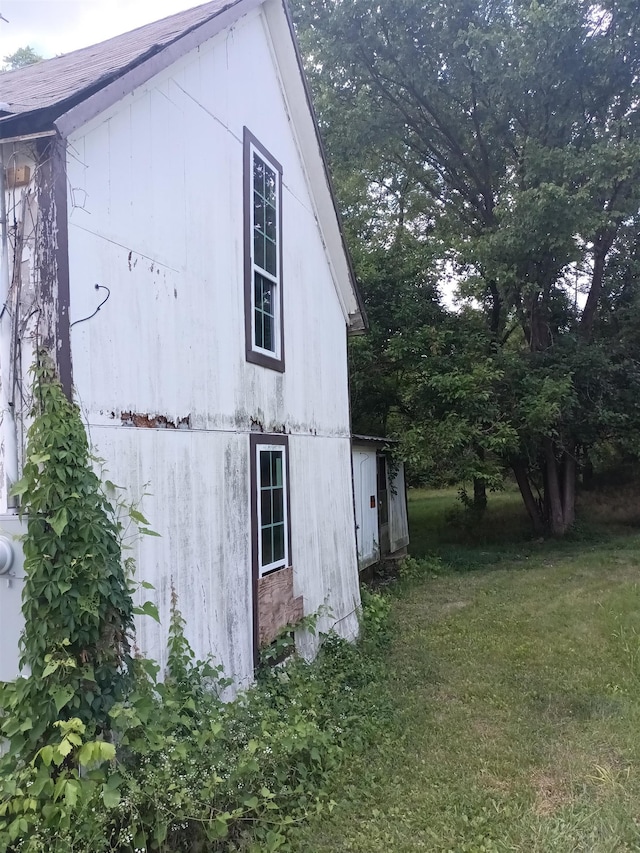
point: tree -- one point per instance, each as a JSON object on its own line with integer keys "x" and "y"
{"x": 23, "y": 56}
{"x": 519, "y": 123}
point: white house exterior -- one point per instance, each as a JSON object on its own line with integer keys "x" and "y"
{"x": 175, "y": 179}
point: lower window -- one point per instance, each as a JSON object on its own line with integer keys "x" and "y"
{"x": 270, "y": 503}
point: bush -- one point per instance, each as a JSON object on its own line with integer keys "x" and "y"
{"x": 193, "y": 773}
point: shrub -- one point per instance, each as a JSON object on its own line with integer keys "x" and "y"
{"x": 192, "y": 772}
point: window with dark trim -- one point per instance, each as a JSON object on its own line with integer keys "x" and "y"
{"x": 264, "y": 332}
{"x": 270, "y": 504}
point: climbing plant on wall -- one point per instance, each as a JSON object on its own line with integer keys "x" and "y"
{"x": 77, "y": 601}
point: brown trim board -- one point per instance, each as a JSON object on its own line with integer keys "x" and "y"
{"x": 53, "y": 255}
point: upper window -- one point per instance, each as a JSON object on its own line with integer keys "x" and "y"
{"x": 263, "y": 256}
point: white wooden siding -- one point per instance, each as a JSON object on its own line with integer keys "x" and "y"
{"x": 161, "y": 224}
{"x": 197, "y": 498}
{"x": 156, "y": 215}
{"x": 323, "y": 540}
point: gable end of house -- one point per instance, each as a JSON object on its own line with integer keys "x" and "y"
{"x": 62, "y": 94}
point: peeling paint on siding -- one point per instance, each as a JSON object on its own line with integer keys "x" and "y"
{"x": 153, "y": 421}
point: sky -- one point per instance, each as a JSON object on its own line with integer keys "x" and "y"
{"x": 58, "y": 26}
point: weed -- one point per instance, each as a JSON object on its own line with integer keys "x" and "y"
{"x": 417, "y": 569}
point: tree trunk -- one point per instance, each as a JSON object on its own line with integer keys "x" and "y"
{"x": 569, "y": 486}
{"x": 553, "y": 492}
{"x": 479, "y": 487}
{"x": 479, "y": 495}
{"x": 560, "y": 487}
{"x": 587, "y": 471}
{"x": 519, "y": 468}
{"x": 602, "y": 243}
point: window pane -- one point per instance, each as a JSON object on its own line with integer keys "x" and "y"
{"x": 276, "y": 468}
{"x": 259, "y": 333}
{"x": 267, "y": 297}
{"x": 259, "y": 212}
{"x": 270, "y": 222}
{"x": 258, "y": 174}
{"x": 258, "y": 249}
{"x": 265, "y": 508}
{"x": 263, "y": 312}
{"x": 270, "y": 260}
{"x": 278, "y": 506}
{"x": 257, "y": 291}
{"x": 278, "y": 542}
{"x": 267, "y": 548}
{"x": 267, "y": 333}
{"x": 265, "y": 468}
{"x": 270, "y": 185}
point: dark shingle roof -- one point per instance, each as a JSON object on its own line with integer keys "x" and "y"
{"x": 72, "y": 76}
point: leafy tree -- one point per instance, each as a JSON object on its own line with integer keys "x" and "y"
{"x": 519, "y": 125}
{"x": 402, "y": 300}
{"x": 23, "y": 56}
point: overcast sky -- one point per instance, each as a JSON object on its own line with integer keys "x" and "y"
{"x": 58, "y": 26}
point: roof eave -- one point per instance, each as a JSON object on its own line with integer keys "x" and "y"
{"x": 377, "y": 440}
{"x": 23, "y": 124}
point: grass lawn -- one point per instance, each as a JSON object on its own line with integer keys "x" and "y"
{"x": 517, "y": 696}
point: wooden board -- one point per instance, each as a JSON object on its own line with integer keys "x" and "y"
{"x": 277, "y": 605}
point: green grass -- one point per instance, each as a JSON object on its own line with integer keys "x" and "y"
{"x": 517, "y": 693}
{"x": 439, "y": 524}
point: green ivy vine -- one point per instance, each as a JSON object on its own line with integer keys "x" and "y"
{"x": 77, "y": 602}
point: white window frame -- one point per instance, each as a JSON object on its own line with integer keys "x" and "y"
{"x": 284, "y": 562}
{"x": 276, "y": 279}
